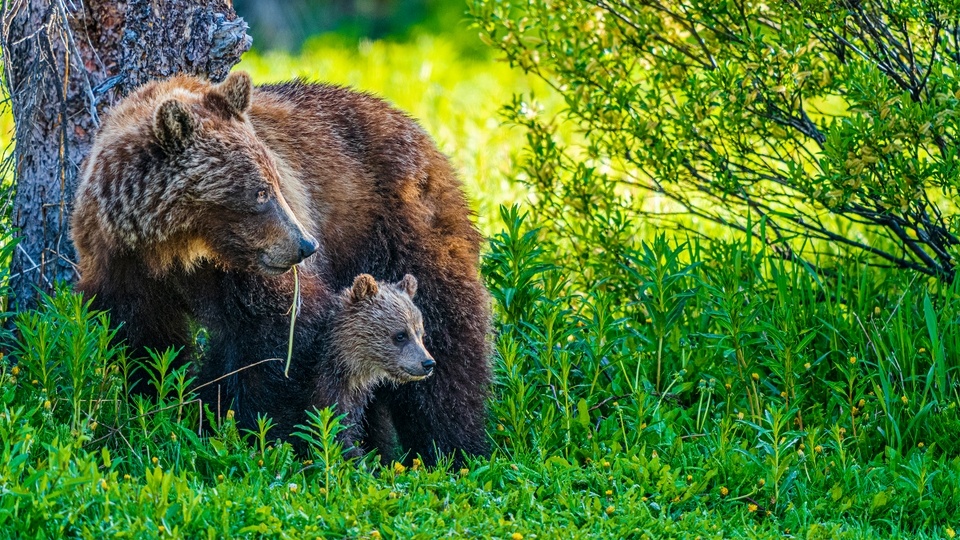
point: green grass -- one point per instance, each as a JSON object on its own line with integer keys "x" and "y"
{"x": 681, "y": 390}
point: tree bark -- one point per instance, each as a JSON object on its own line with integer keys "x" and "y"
{"x": 65, "y": 62}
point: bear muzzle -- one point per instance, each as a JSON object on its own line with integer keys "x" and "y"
{"x": 276, "y": 261}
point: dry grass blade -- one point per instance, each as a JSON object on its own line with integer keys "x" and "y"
{"x": 293, "y": 320}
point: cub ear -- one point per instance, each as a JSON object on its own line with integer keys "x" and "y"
{"x": 409, "y": 285}
{"x": 364, "y": 286}
{"x": 236, "y": 90}
{"x": 173, "y": 125}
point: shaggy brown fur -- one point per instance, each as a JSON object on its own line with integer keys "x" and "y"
{"x": 375, "y": 334}
{"x": 196, "y": 197}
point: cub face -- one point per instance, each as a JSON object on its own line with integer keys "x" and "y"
{"x": 381, "y": 330}
{"x": 181, "y": 170}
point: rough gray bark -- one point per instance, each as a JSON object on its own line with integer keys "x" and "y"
{"x": 65, "y": 62}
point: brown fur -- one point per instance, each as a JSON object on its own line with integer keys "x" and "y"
{"x": 363, "y": 349}
{"x": 168, "y": 229}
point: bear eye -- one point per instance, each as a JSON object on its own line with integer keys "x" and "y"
{"x": 400, "y": 338}
{"x": 262, "y": 196}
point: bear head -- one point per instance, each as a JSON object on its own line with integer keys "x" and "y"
{"x": 177, "y": 174}
{"x": 379, "y": 331}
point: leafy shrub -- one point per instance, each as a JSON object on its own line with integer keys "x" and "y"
{"x": 831, "y": 123}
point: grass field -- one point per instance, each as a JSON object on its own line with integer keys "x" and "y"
{"x": 694, "y": 390}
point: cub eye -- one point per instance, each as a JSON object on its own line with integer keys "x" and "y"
{"x": 262, "y": 196}
{"x": 400, "y": 338}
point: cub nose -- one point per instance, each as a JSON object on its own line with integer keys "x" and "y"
{"x": 308, "y": 246}
{"x": 428, "y": 364}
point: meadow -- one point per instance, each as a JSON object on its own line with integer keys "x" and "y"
{"x": 687, "y": 388}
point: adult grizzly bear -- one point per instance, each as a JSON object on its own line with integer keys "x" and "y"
{"x": 197, "y": 199}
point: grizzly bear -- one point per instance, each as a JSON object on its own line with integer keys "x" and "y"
{"x": 197, "y": 199}
{"x": 374, "y": 334}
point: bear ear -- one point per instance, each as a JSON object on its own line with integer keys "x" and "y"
{"x": 236, "y": 90}
{"x": 364, "y": 286}
{"x": 409, "y": 285}
{"x": 173, "y": 125}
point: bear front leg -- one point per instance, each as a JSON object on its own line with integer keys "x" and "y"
{"x": 147, "y": 313}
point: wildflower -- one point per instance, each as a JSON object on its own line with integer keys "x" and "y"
{"x": 516, "y": 536}
{"x": 308, "y": 462}
{"x": 843, "y": 431}
{"x": 643, "y": 426}
{"x": 374, "y": 534}
{"x": 740, "y": 415}
{"x": 654, "y": 455}
{"x": 398, "y": 467}
{"x": 173, "y": 437}
{"x": 853, "y": 359}
{"x": 724, "y": 491}
{"x": 611, "y": 509}
{"x": 861, "y": 403}
{"x": 220, "y": 477}
{"x": 727, "y": 386}
{"x": 951, "y": 533}
{"x": 676, "y": 499}
{"x": 500, "y": 427}
{"x": 608, "y": 493}
{"x": 818, "y": 449}
{"x": 755, "y": 376}
{"x": 162, "y": 529}
{"x": 643, "y": 499}
{"x": 752, "y": 507}
{"x": 905, "y": 400}
{"x": 417, "y": 463}
{"x": 920, "y": 444}
{"x": 689, "y": 478}
{"x": 761, "y": 482}
{"x": 783, "y": 394}
{"x": 514, "y": 467}
{"x": 806, "y": 365}
{"x": 606, "y": 464}
{"x": 323, "y": 491}
{"x": 876, "y": 310}
{"x": 103, "y": 483}
{"x": 855, "y": 411}
{"x": 126, "y": 477}
{"x": 15, "y": 370}
{"x": 46, "y": 404}
{"x": 649, "y": 320}
{"x": 464, "y": 472}
{"x": 34, "y": 382}
{"x": 93, "y": 425}
{"x": 293, "y": 487}
{"x": 154, "y": 459}
{"x": 260, "y": 463}
{"x": 921, "y": 351}
{"x": 230, "y": 414}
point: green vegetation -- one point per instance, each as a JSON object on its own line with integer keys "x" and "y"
{"x": 651, "y": 382}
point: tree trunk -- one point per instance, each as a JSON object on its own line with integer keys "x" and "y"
{"x": 65, "y": 62}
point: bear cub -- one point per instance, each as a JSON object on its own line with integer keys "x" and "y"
{"x": 375, "y": 335}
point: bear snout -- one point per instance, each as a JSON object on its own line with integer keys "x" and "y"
{"x": 308, "y": 246}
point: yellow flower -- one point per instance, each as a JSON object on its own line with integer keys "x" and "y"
{"x": 921, "y": 351}
{"x": 46, "y": 404}
{"x": 752, "y": 507}
{"x": 755, "y": 376}
{"x": 876, "y": 310}
{"x": 606, "y": 464}
{"x": 15, "y": 370}
{"x": 260, "y": 463}
{"x": 398, "y": 467}
{"x": 154, "y": 460}
{"x": 293, "y": 487}
{"x": 806, "y": 365}
{"x": 220, "y": 477}
{"x": 500, "y": 427}
{"x": 853, "y": 359}
{"x": 608, "y": 492}
{"x": 689, "y": 478}
{"x": 464, "y": 472}
{"x": 126, "y": 477}
{"x": 103, "y": 483}
{"x": 761, "y": 482}
{"x": 230, "y": 414}
{"x": 740, "y": 415}
{"x": 724, "y": 491}
{"x": 818, "y": 449}
{"x": 173, "y": 437}
{"x": 417, "y": 463}
{"x": 374, "y": 534}
{"x": 162, "y": 529}
{"x": 611, "y": 509}
{"x": 951, "y": 533}
{"x": 905, "y": 400}
{"x": 920, "y": 444}
{"x": 516, "y": 536}
{"x": 514, "y": 467}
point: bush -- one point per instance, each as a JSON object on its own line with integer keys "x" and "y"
{"x": 826, "y": 126}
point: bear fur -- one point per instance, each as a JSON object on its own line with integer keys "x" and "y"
{"x": 374, "y": 335}
{"x": 197, "y": 198}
